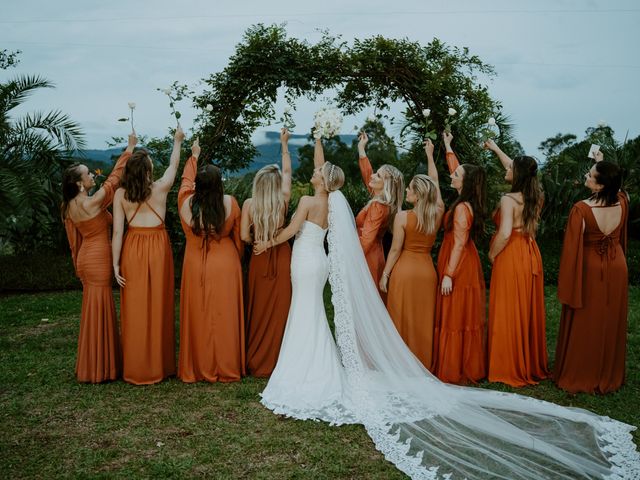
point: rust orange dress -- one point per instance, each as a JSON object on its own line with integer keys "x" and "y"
{"x": 147, "y": 304}
{"x": 212, "y": 344}
{"x": 372, "y": 222}
{"x": 592, "y": 287}
{"x": 98, "y": 356}
{"x": 268, "y": 300}
{"x": 516, "y": 336}
{"x": 459, "y": 349}
{"x": 411, "y": 301}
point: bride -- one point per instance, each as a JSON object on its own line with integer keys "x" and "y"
{"x": 428, "y": 429}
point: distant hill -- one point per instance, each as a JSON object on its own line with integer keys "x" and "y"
{"x": 268, "y": 152}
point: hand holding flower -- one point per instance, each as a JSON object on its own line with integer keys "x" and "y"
{"x": 195, "y": 148}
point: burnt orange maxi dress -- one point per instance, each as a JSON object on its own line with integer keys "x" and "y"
{"x": 147, "y": 304}
{"x": 411, "y": 301}
{"x": 268, "y": 301}
{"x": 212, "y": 343}
{"x": 372, "y": 222}
{"x": 516, "y": 335}
{"x": 98, "y": 357}
{"x": 592, "y": 287}
{"x": 459, "y": 352}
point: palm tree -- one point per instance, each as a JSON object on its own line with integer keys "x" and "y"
{"x": 34, "y": 150}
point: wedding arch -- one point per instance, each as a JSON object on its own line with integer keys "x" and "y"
{"x": 368, "y": 73}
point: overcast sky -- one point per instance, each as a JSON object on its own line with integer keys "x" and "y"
{"x": 561, "y": 66}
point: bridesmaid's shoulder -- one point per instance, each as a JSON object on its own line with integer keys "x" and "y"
{"x": 247, "y": 203}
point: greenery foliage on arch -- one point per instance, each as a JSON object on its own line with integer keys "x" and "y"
{"x": 370, "y": 73}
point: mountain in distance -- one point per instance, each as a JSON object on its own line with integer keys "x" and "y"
{"x": 269, "y": 152}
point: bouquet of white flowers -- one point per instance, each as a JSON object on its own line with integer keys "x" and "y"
{"x": 326, "y": 123}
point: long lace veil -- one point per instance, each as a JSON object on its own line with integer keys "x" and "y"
{"x": 431, "y": 430}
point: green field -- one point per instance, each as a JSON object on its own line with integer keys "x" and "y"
{"x": 53, "y": 426}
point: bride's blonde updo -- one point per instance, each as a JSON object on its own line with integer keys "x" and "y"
{"x": 333, "y": 177}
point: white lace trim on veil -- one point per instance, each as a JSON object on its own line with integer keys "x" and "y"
{"x": 432, "y": 430}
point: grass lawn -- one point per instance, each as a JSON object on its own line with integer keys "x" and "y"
{"x": 53, "y": 426}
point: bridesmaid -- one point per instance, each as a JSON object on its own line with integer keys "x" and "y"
{"x": 409, "y": 269}
{"x": 269, "y": 278}
{"x": 87, "y": 224}
{"x": 146, "y": 279}
{"x": 592, "y": 287}
{"x": 385, "y": 187}
{"x": 459, "y": 347}
{"x": 211, "y": 309}
{"x": 516, "y": 338}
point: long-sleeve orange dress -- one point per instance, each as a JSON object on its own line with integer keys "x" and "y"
{"x": 516, "y": 336}
{"x": 212, "y": 343}
{"x": 459, "y": 352}
{"x": 411, "y": 301}
{"x": 372, "y": 222}
{"x": 147, "y": 304}
{"x": 592, "y": 287}
{"x": 268, "y": 300}
{"x": 98, "y": 357}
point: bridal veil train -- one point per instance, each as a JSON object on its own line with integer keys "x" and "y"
{"x": 432, "y": 430}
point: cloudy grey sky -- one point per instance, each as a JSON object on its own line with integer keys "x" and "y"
{"x": 561, "y": 65}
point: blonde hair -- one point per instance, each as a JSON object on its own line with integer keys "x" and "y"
{"x": 267, "y": 203}
{"x": 392, "y": 190}
{"x": 426, "y": 208}
{"x": 333, "y": 177}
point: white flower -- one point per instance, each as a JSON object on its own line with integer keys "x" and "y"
{"x": 166, "y": 91}
{"x": 492, "y": 121}
{"x": 371, "y": 118}
{"x": 209, "y": 107}
{"x": 159, "y": 444}
{"x": 132, "y": 105}
{"x": 452, "y": 111}
{"x": 287, "y": 110}
{"x": 602, "y": 124}
{"x": 426, "y": 112}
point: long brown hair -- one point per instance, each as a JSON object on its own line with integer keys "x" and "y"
{"x": 70, "y": 189}
{"x": 474, "y": 191}
{"x": 610, "y": 177}
{"x": 207, "y": 203}
{"x": 137, "y": 178}
{"x": 525, "y": 181}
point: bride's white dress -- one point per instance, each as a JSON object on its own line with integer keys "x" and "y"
{"x": 309, "y": 380}
{"x": 428, "y": 429}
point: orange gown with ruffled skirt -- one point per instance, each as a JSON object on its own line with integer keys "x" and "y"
{"x": 411, "y": 301}
{"x": 516, "y": 337}
{"x": 212, "y": 342}
{"x": 147, "y": 304}
{"x": 98, "y": 357}
{"x": 459, "y": 349}
{"x": 372, "y": 222}
{"x": 592, "y": 287}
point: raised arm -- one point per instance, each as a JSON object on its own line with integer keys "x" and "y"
{"x": 506, "y": 226}
{"x": 116, "y": 239}
{"x": 188, "y": 183}
{"x": 432, "y": 172}
{"x": 286, "y": 162}
{"x": 365, "y": 165}
{"x": 452, "y": 159}
{"x": 399, "y": 223}
{"x": 291, "y": 229}
{"x": 504, "y": 158}
{"x": 166, "y": 181}
{"x": 104, "y": 196}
